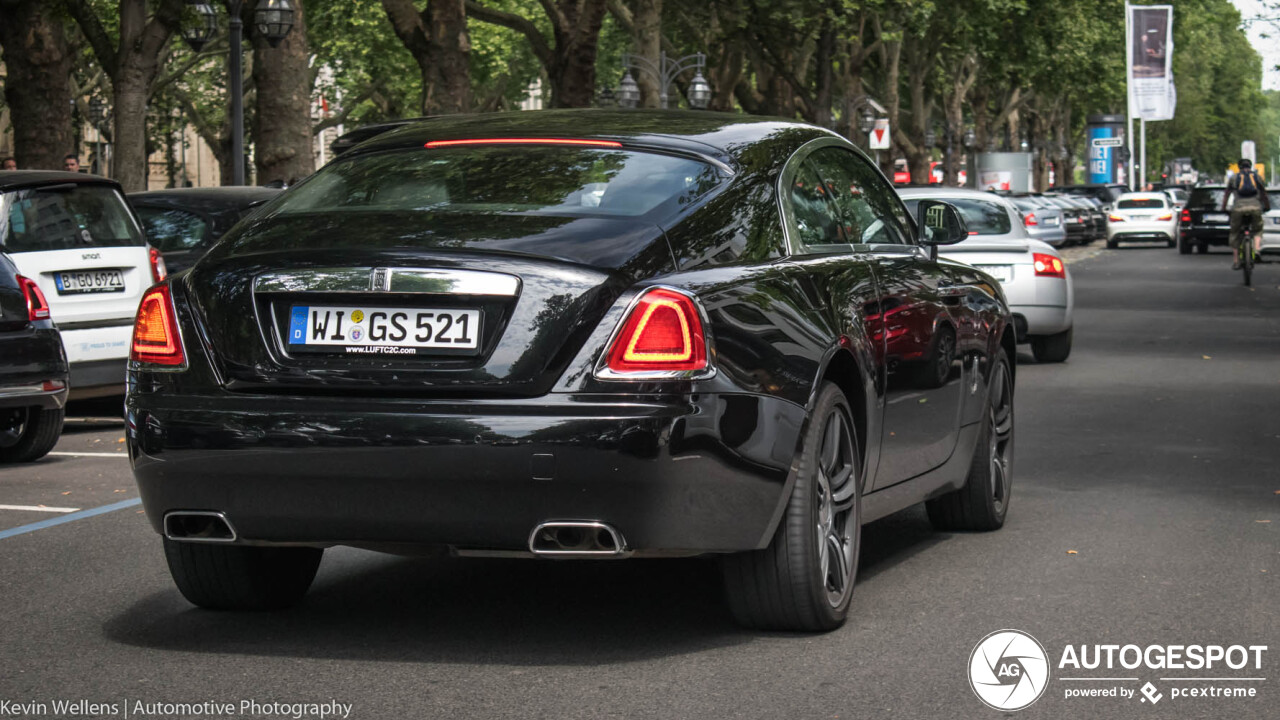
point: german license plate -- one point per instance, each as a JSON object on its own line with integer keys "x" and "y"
{"x": 1003, "y": 273}
{"x": 1213, "y": 218}
{"x": 89, "y": 281}
{"x": 383, "y": 330}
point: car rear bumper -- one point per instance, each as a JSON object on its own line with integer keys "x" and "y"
{"x": 683, "y": 474}
{"x": 1142, "y": 231}
{"x": 33, "y": 370}
{"x": 1206, "y": 235}
{"x": 1040, "y": 319}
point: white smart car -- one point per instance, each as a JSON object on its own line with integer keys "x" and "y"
{"x": 75, "y": 235}
{"x": 1142, "y": 217}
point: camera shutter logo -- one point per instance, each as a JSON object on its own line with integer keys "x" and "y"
{"x": 1008, "y": 670}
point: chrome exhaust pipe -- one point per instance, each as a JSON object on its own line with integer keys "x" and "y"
{"x": 199, "y": 526}
{"x": 577, "y": 538}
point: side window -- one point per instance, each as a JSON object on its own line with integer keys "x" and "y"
{"x": 869, "y": 210}
{"x": 815, "y": 223}
{"x": 170, "y": 230}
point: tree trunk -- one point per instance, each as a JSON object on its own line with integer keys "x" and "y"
{"x": 573, "y": 72}
{"x": 438, "y": 40}
{"x": 647, "y": 16}
{"x": 38, "y": 86}
{"x": 282, "y": 121}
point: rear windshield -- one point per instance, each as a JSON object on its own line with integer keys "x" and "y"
{"x": 550, "y": 180}
{"x": 1205, "y": 198}
{"x": 65, "y": 217}
{"x": 983, "y": 217}
{"x": 1148, "y": 204}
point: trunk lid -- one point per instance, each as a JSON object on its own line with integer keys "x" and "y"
{"x": 531, "y": 289}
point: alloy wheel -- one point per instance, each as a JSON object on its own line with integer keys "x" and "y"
{"x": 1000, "y": 418}
{"x": 837, "y": 489}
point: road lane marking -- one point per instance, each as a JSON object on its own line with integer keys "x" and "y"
{"x": 23, "y": 529}
{"x": 39, "y": 508}
{"x": 80, "y": 454}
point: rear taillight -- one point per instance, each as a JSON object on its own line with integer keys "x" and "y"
{"x": 1030, "y": 220}
{"x": 158, "y": 270}
{"x": 1049, "y": 266}
{"x": 155, "y": 331}
{"x": 1165, "y": 218}
{"x": 1186, "y": 216}
{"x": 663, "y": 333}
{"x": 1115, "y": 218}
{"x": 37, "y": 306}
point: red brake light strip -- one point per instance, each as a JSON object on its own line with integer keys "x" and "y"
{"x": 524, "y": 141}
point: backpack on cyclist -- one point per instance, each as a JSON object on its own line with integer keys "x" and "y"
{"x": 1247, "y": 183}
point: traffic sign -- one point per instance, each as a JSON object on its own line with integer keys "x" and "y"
{"x": 879, "y": 137}
{"x": 1108, "y": 142}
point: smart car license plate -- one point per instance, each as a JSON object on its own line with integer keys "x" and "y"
{"x": 89, "y": 281}
{"x": 1211, "y": 218}
{"x": 1003, "y": 273}
{"x": 384, "y": 330}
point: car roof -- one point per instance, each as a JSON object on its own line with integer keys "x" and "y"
{"x": 1142, "y": 196}
{"x": 730, "y": 140}
{"x": 210, "y": 198}
{"x": 15, "y": 179}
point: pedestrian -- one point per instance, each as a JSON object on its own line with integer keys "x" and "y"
{"x": 8, "y": 164}
{"x": 71, "y": 163}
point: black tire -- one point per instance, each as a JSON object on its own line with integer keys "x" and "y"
{"x": 1054, "y": 348}
{"x": 35, "y": 435}
{"x": 241, "y": 577}
{"x": 1172, "y": 242}
{"x": 983, "y": 502}
{"x": 793, "y": 584}
{"x": 1184, "y": 248}
{"x": 1112, "y": 244}
{"x": 1246, "y": 264}
{"x": 1202, "y": 249}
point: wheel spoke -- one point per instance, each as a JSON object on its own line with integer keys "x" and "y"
{"x": 842, "y": 487}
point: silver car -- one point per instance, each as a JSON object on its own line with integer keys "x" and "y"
{"x": 1032, "y": 274}
{"x": 1041, "y": 223}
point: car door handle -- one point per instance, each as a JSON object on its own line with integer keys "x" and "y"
{"x": 954, "y": 290}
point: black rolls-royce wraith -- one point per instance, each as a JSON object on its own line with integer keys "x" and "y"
{"x": 574, "y": 334}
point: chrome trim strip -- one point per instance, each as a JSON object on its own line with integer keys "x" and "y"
{"x": 603, "y": 371}
{"x": 434, "y": 281}
{"x": 235, "y": 536}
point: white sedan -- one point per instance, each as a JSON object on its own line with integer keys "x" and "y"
{"x": 1143, "y": 217}
{"x": 1034, "y": 278}
{"x": 1270, "y": 245}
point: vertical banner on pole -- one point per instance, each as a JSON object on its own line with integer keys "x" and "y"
{"x": 1152, "y": 95}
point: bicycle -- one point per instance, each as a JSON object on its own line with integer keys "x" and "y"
{"x": 1247, "y": 253}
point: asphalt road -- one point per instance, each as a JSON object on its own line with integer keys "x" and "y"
{"x": 1145, "y": 512}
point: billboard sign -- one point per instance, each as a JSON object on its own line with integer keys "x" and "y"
{"x": 1152, "y": 95}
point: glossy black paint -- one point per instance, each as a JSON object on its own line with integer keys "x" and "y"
{"x": 218, "y": 208}
{"x": 451, "y": 452}
{"x": 30, "y": 352}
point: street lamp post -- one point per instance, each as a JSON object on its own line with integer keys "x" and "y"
{"x": 273, "y": 19}
{"x": 665, "y": 72}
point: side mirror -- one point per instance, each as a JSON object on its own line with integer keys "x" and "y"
{"x": 940, "y": 223}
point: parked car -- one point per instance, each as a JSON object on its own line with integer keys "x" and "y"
{"x": 1075, "y": 219}
{"x": 1177, "y": 196}
{"x": 1203, "y": 222}
{"x": 184, "y": 223}
{"x": 569, "y": 334}
{"x": 33, "y": 369}
{"x": 1095, "y": 218}
{"x": 1106, "y": 194}
{"x": 1270, "y": 244}
{"x": 1042, "y": 222}
{"x": 75, "y": 236}
{"x": 1142, "y": 217}
{"x": 1035, "y": 280}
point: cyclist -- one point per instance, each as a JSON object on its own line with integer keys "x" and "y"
{"x": 1251, "y": 202}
